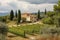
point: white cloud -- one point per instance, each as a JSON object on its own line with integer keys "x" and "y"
{"x": 40, "y": 1}
{"x": 7, "y": 5}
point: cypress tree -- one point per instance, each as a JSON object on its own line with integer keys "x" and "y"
{"x": 11, "y": 15}
{"x": 16, "y": 14}
{"x": 19, "y": 16}
{"x": 38, "y": 14}
{"x": 45, "y": 11}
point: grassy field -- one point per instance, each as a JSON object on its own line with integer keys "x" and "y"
{"x": 27, "y": 29}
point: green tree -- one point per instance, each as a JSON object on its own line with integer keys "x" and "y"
{"x": 50, "y": 14}
{"x": 3, "y": 20}
{"x": 57, "y": 7}
{"x": 16, "y": 14}
{"x": 57, "y": 10}
{"x": 3, "y": 31}
{"x": 47, "y": 20}
{"x": 59, "y": 22}
{"x": 19, "y": 16}
{"x": 45, "y": 11}
{"x": 11, "y": 15}
{"x": 38, "y": 14}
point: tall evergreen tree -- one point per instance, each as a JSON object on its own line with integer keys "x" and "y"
{"x": 38, "y": 14}
{"x": 16, "y": 14}
{"x": 11, "y": 15}
{"x": 45, "y": 11}
{"x": 19, "y": 16}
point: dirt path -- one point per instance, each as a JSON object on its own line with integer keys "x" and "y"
{"x": 12, "y": 24}
{"x": 15, "y": 37}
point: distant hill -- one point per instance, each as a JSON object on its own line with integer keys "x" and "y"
{"x": 4, "y": 13}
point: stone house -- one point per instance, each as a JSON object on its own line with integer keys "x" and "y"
{"x": 29, "y": 17}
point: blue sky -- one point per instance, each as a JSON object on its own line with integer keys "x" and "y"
{"x": 27, "y": 5}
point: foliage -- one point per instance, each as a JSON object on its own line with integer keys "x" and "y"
{"x": 11, "y": 15}
{"x": 53, "y": 17}
{"x": 24, "y": 19}
{"x": 33, "y": 29}
{"x": 50, "y": 17}
{"x": 16, "y": 14}
{"x": 45, "y": 11}
{"x": 50, "y": 14}
{"x": 3, "y": 19}
{"x": 16, "y": 31}
{"x": 47, "y": 20}
{"x": 19, "y": 16}
{"x": 51, "y": 30}
{"x": 38, "y": 14}
{"x": 57, "y": 15}
{"x": 3, "y": 31}
{"x": 3, "y": 28}
{"x": 57, "y": 7}
{"x": 27, "y": 29}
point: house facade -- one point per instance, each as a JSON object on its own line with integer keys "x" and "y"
{"x": 29, "y": 17}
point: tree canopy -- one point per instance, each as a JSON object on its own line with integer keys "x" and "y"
{"x": 38, "y": 14}
{"x": 57, "y": 7}
{"x": 11, "y": 15}
{"x": 19, "y": 16}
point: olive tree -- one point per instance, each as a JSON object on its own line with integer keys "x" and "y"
{"x": 3, "y": 31}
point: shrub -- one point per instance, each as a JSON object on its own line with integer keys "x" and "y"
{"x": 24, "y": 19}
{"x": 47, "y": 20}
{"x": 3, "y": 31}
